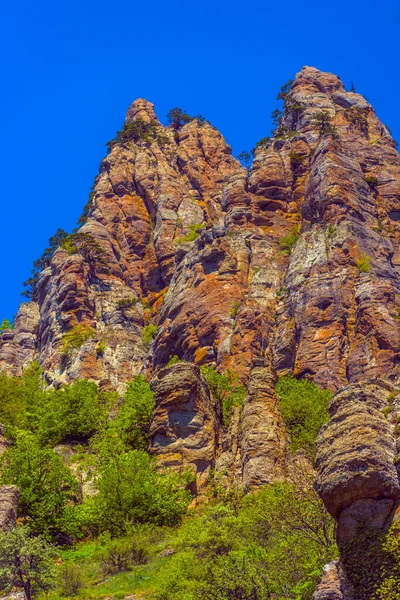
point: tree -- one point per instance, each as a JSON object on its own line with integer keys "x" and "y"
{"x": 26, "y": 562}
{"x": 131, "y": 491}
{"x": 5, "y": 324}
{"x": 41, "y": 263}
{"x": 177, "y": 118}
{"x": 245, "y": 158}
{"x": 285, "y": 89}
{"x": 47, "y": 487}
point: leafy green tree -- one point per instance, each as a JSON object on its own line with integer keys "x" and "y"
{"x": 21, "y": 399}
{"x": 5, "y": 324}
{"x": 304, "y": 408}
{"x": 76, "y": 411}
{"x": 135, "y": 415}
{"x": 47, "y": 487}
{"x": 226, "y": 389}
{"x": 26, "y": 562}
{"x": 177, "y": 118}
{"x": 285, "y": 89}
{"x": 130, "y": 490}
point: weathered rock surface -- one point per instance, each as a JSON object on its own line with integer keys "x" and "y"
{"x": 330, "y": 587}
{"x": 290, "y": 268}
{"x": 356, "y": 474}
{"x": 185, "y": 424}
{"x": 8, "y": 506}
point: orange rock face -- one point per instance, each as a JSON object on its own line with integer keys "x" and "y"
{"x": 292, "y": 267}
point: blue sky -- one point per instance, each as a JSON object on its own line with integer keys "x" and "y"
{"x": 70, "y": 70}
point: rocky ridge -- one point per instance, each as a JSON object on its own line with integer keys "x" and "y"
{"x": 290, "y": 268}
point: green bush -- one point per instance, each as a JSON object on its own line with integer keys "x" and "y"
{"x": 226, "y": 389}
{"x": 139, "y": 131}
{"x": 288, "y": 242}
{"x": 126, "y": 303}
{"x": 173, "y": 360}
{"x": 193, "y": 234}
{"x": 86, "y": 245}
{"x": 26, "y": 562}
{"x": 364, "y": 264}
{"x": 296, "y": 160}
{"x": 134, "y": 418}
{"x": 77, "y": 336}
{"x": 177, "y": 118}
{"x": 71, "y": 579}
{"x": 263, "y": 142}
{"x": 372, "y": 181}
{"x": 5, "y": 324}
{"x": 75, "y": 412}
{"x": 131, "y": 491}
{"x": 149, "y": 333}
{"x": 235, "y": 309}
{"x": 304, "y": 408}
{"x": 273, "y": 545}
{"x": 122, "y": 554}
{"x": 47, "y": 488}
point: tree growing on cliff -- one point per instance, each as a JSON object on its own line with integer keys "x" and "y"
{"x": 177, "y": 118}
{"x": 5, "y": 324}
{"x": 26, "y": 562}
{"x": 245, "y": 158}
{"x": 31, "y": 284}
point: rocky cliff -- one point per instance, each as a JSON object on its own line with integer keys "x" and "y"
{"x": 292, "y": 267}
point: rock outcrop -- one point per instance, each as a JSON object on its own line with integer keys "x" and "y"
{"x": 292, "y": 267}
{"x": 8, "y": 506}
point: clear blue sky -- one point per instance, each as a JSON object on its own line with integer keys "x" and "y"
{"x": 70, "y": 70}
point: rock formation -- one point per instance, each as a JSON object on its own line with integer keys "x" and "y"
{"x": 8, "y": 507}
{"x": 290, "y": 268}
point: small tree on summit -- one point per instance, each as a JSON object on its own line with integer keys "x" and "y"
{"x": 177, "y": 118}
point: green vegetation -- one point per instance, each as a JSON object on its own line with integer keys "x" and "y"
{"x": 149, "y": 333}
{"x": 245, "y": 159}
{"x": 288, "y": 242}
{"x": 357, "y": 117}
{"x": 86, "y": 209}
{"x": 31, "y": 284}
{"x": 372, "y": 181}
{"x": 193, "y": 234}
{"x": 226, "y": 389}
{"x": 47, "y": 487}
{"x": 262, "y": 143}
{"x": 296, "y": 160}
{"x": 304, "y": 408}
{"x": 322, "y": 122}
{"x": 173, "y": 360}
{"x": 177, "y": 118}
{"x": 235, "y": 309}
{"x": 139, "y": 132}
{"x": 285, "y": 89}
{"x": 364, "y": 264}
{"x": 125, "y": 303}
{"x": 85, "y": 244}
{"x": 5, "y": 324}
{"x": 26, "y": 562}
{"x": 77, "y": 336}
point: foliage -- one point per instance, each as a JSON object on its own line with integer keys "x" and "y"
{"x": 226, "y": 389}
{"x": 285, "y": 89}
{"x": 364, "y": 264}
{"x": 173, "y": 360}
{"x": 77, "y": 336}
{"x": 131, "y": 491}
{"x": 100, "y": 348}
{"x": 193, "y": 234}
{"x": 288, "y": 242}
{"x": 86, "y": 245}
{"x": 124, "y": 303}
{"x": 322, "y": 122}
{"x": 86, "y": 209}
{"x": 304, "y": 408}
{"x": 177, "y": 118}
{"x": 263, "y": 142}
{"x": 121, "y": 554}
{"x": 26, "y": 562}
{"x": 138, "y": 131}
{"x": 245, "y": 158}
{"x": 134, "y": 418}
{"x": 296, "y": 160}
{"x": 5, "y": 324}
{"x": 357, "y": 118}
{"x": 149, "y": 333}
{"x": 273, "y": 546}
{"x": 31, "y": 284}
{"x": 75, "y": 412}
{"x": 372, "y": 181}
{"x": 235, "y": 309}
{"x": 70, "y": 579}
{"x": 47, "y": 487}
